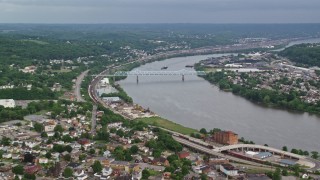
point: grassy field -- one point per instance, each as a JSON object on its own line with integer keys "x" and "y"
{"x": 158, "y": 121}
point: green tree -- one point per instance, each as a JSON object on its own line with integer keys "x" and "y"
{"x": 145, "y": 174}
{"x": 5, "y": 141}
{"x": 67, "y": 157}
{"x": 48, "y": 155}
{"x": 68, "y": 172}
{"x": 44, "y": 134}
{"x": 68, "y": 148}
{"x": 134, "y": 149}
{"x": 203, "y": 131}
{"x": 284, "y": 148}
{"x": 38, "y": 127}
{"x": 82, "y": 157}
{"x": 58, "y": 128}
{"x": 29, "y": 176}
{"x": 314, "y": 154}
{"x": 18, "y": 170}
{"x": 277, "y": 174}
{"x": 285, "y": 172}
{"x": 97, "y": 167}
{"x": 120, "y": 133}
{"x": 67, "y": 138}
{"x": 92, "y": 151}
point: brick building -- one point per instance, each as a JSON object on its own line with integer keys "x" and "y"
{"x": 225, "y": 137}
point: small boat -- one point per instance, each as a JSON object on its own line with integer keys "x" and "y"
{"x": 189, "y": 66}
{"x": 164, "y": 67}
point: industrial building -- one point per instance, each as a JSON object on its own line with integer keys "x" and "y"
{"x": 225, "y": 137}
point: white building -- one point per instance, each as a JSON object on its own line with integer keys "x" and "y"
{"x": 7, "y": 156}
{"x": 43, "y": 160}
{"x": 106, "y": 171}
{"x": 228, "y": 170}
{"x": 7, "y": 103}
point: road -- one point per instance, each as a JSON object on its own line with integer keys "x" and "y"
{"x": 78, "y": 86}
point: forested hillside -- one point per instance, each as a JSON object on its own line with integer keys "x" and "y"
{"x": 304, "y": 55}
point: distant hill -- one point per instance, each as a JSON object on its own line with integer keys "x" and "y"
{"x": 304, "y": 54}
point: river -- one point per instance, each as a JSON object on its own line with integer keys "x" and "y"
{"x": 196, "y": 103}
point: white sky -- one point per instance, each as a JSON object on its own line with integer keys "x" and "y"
{"x": 159, "y": 11}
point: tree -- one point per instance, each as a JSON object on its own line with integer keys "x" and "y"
{"x": 5, "y": 141}
{"x": 120, "y": 133}
{"x": 67, "y": 138}
{"x": 67, "y": 157}
{"x": 58, "y": 128}
{"x": 68, "y": 148}
{"x": 29, "y": 176}
{"x": 285, "y": 172}
{"x": 48, "y": 155}
{"x": 172, "y": 157}
{"x": 18, "y": 170}
{"x": 203, "y": 131}
{"x": 68, "y": 172}
{"x": 97, "y": 167}
{"x": 58, "y": 148}
{"x": 314, "y": 154}
{"x": 38, "y": 127}
{"x": 82, "y": 157}
{"x": 277, "y": 174}
{"x": 134, "y": 149}
{"x": 145, "y": 174}
{"x": 92, "y": 151}
{"x": 44, "y": 134}
{"x": 156, "y": 153}
{"x": 284, "y": 148}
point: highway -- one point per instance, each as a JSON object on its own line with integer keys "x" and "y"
{"x": 78, "y": 86}
{"x": 214, "y": 153}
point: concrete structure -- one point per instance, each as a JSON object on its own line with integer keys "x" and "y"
{"x": 226, "y": 137}
{"x": 7, "y": 103}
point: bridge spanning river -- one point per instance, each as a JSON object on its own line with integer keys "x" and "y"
{"x": 138, "y": 73}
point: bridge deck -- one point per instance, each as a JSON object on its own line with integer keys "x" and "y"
{"x": 156, "y": 73}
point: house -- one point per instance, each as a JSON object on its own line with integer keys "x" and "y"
{"x": 78, "y": 173}
{"x": 166, "y": 175}
{"x": 228, "y": 170}
{"x": 31, "y": 169}
{"x": 161, "y": 161}
{"x": 107, "y": 154}
{"x": 120, "y": 165}
{"x": 106, "y": 171}
{"x": 16, "y": 156}
{"x": 183, "y": 154}
{"x": 43, "y": 160}
{"x": 7, "y": 156}
{"x": 49, "y": 126}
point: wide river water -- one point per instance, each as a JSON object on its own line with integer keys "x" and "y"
{"x": 196, "y": 103}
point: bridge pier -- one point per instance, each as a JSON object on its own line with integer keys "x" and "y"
{"x": 183, "y": 77}
{"x": 137, "y": 79}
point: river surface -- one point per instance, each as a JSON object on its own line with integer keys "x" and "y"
{"x": 196, "y": 103}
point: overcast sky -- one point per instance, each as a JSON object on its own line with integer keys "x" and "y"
{"x": 159, "y": 11}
